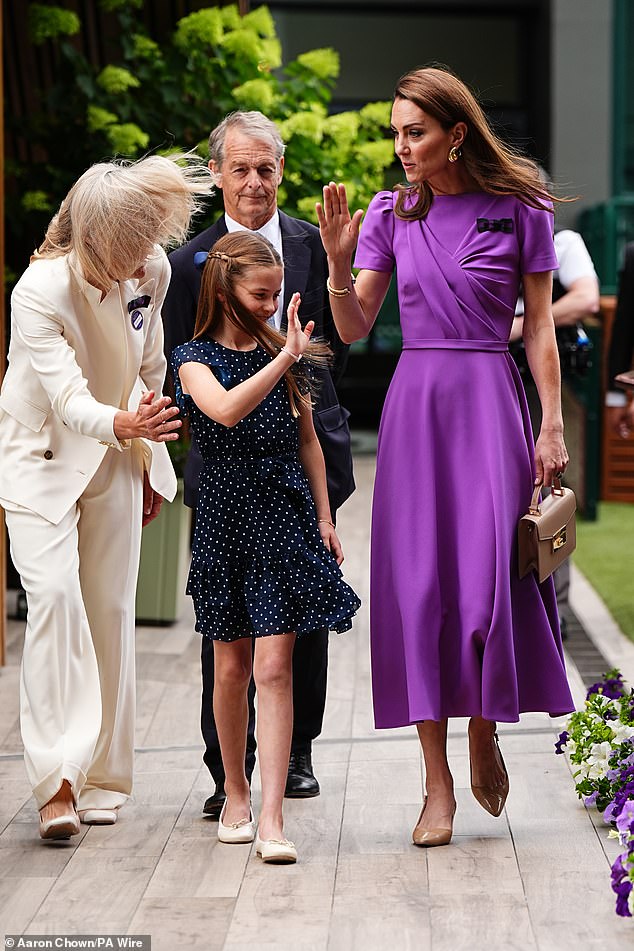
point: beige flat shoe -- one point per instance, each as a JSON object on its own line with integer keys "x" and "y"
{"x": 61, "y": 827}
{"x": 98, "y": 817}
{"x": 427, "y": 838}
{"x": 236, "y": 832}
{"x": 276, "y": 851}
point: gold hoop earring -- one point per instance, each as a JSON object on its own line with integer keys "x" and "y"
{"x": 454, "y": 153}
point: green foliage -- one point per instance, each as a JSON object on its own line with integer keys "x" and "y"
{"x": 47, "y": 23}
{"x": 169, "y": 96}
{"x": 115, "y": 80}
{"x": 36, "y": 201}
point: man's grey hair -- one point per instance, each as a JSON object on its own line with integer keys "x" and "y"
{"x": 254, "y": 124}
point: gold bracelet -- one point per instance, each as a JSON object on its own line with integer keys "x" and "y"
{"x": 327, "y": 521}
{"x": 339, "y": 291}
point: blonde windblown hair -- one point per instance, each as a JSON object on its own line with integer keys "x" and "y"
{"x": 117, "y": 211}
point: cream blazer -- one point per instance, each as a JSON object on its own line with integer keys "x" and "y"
{"x": 74, "y": 360}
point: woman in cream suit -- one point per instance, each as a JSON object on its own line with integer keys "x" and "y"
{"x": 83, "y": 465}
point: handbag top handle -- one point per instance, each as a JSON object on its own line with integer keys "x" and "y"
{"x": 556, "y": 490}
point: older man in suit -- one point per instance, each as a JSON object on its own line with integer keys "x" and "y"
{"x": 247, "y": 161}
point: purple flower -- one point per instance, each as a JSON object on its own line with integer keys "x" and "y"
{"x": 625, "y": 819}
{"x": 612, "y": 687}
{"x": 591, "y": 800}
{"x": 621, "y": 886}
{"x": 561, "y": 742}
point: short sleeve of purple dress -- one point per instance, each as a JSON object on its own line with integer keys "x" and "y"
{"x": 454, "y": 631}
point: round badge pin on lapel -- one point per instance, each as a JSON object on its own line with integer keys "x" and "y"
{"x": 136, "y": 318}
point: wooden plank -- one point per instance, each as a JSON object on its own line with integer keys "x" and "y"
{"x": 184, "y": 922}
{"x": 483, "y": 922}
{"x": 97, "y": 893}
{"x": 20, "y": 899}
{"x": 564, "y": 869}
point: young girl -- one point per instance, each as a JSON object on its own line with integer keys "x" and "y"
{"x": 265, "y": 553}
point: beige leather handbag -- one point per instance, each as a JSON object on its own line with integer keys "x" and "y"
{"x": 547, "y": 535}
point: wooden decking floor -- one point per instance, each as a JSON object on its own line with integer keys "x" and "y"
{"x": 536, "y": 878}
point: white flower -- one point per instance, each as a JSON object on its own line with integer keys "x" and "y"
{"x": 597, "y": 761}
{"x": 622, "y": 731}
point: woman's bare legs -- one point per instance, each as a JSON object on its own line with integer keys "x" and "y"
{"x": 273, "y": 674}
{"x": 441, "y": 803}
{"x": 487, "y": 769}
{"x": 232, "y": 673}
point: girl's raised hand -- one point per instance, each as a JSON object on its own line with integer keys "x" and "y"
{"x": 339, "y": 231}
{"x": 297, "y": 339}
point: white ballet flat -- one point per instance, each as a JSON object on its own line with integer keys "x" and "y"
{"x": 61, "y": 827}
{"x": 98, "y": 817}
{"x": 241, "y": 831}
{"x": 279, "y": 851}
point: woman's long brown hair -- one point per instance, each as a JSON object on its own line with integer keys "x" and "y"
{"x": 228, "y": 261}
{"x": 495, "y": 167}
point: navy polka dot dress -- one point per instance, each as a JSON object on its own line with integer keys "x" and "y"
{"x": 259, "y": 565}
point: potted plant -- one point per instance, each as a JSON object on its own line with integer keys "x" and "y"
{"x": 165, "y": 551}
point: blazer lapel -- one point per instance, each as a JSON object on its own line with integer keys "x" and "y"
{"x": 297, "y": 259}
{"x": 137, "y": 313}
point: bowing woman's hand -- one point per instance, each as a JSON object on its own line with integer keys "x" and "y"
{"x": 339, "y": 230}
{"x": 152, "y": 419}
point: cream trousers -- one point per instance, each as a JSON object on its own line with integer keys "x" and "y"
{"x": 77, "y": 688}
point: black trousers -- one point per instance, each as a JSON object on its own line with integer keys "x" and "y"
{"x": 310, "y": 669}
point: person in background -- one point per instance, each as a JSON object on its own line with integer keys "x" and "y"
{"x": 620, "y": 407}
{"x": 83, "y": 466}
{"x": 575, "y": 298}
{"x": 247, "y": 161}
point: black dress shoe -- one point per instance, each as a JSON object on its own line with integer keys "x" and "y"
{"x": 213, "y": 805}
{"x": 301, "y": 782}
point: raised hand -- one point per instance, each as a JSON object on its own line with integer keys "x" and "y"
{"x": 297, "y": 339}
{"x": 339, "y": 230}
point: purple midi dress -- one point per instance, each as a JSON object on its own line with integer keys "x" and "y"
{"x": 454, "y": 630}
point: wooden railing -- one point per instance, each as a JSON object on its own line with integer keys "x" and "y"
{"x": 617, "y": 451}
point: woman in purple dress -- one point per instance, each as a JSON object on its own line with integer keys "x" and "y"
{"x": 454, "y": 631}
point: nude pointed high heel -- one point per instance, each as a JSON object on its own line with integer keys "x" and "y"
{"x": 427, "y": 838}
{"x": 493, "y": 798}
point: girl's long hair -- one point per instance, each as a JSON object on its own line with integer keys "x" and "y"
{"x": 116, "y": 212}
{"x": 495, "y": 167}
{"x": 227, "y": 263}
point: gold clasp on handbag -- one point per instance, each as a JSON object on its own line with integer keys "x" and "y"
{"x": 559, "y": 540}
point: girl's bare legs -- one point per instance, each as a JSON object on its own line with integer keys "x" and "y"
{"x": 486, "y": 768}
{"x": 232, "y": 673}
{"x": 441, "y": 803}
{"x": 273, "y": 674}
